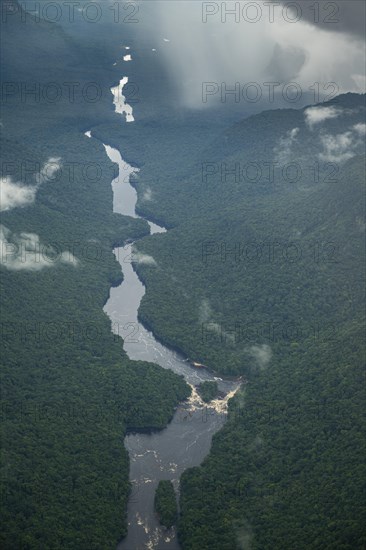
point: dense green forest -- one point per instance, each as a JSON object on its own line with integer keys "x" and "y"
{"x": 208, "y": 390}
{"x": 69, "y": 392}
{"x": 261, "y": 274}
{"x": 165, "y": 503}
{"x": 296, "y": 240}
{"x": 287, "y": 470}
{"x": 266, "y": 279}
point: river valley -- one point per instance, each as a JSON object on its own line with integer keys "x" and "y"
{"x": 186, "y": 441}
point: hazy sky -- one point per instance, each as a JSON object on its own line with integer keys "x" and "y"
{"x": 262, "y": 41}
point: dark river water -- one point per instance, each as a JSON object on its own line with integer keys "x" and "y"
{"x": 187, "y": 439}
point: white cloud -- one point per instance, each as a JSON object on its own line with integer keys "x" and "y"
{"x": 317, "y": 115}
{"x": 16, "y": 194}
{"x": 262, "y": 353}
{"x": 204, "y": 311}
{"x": 360, "y": 128}
{"x": 13, "y": 195}
{"x": 341, "y": 147}
{"x": 337, "y": 148}
{"x": 145, "y": 259}
{"x": 282, "y": 153}
{"x": 48, "y": 170}
{"x": 147, "y": 196}
{"x": 206, "y": 318}
{"x": 24, "y": 251}
{"x": 244, "y": 534}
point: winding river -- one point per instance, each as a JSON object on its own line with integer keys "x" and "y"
{"x": 187, "y": 439}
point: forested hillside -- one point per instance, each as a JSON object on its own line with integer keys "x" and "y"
{"x": 69, "y": 392}
{"x": 274, "y": 262}
{"x": 262, "y": 274}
